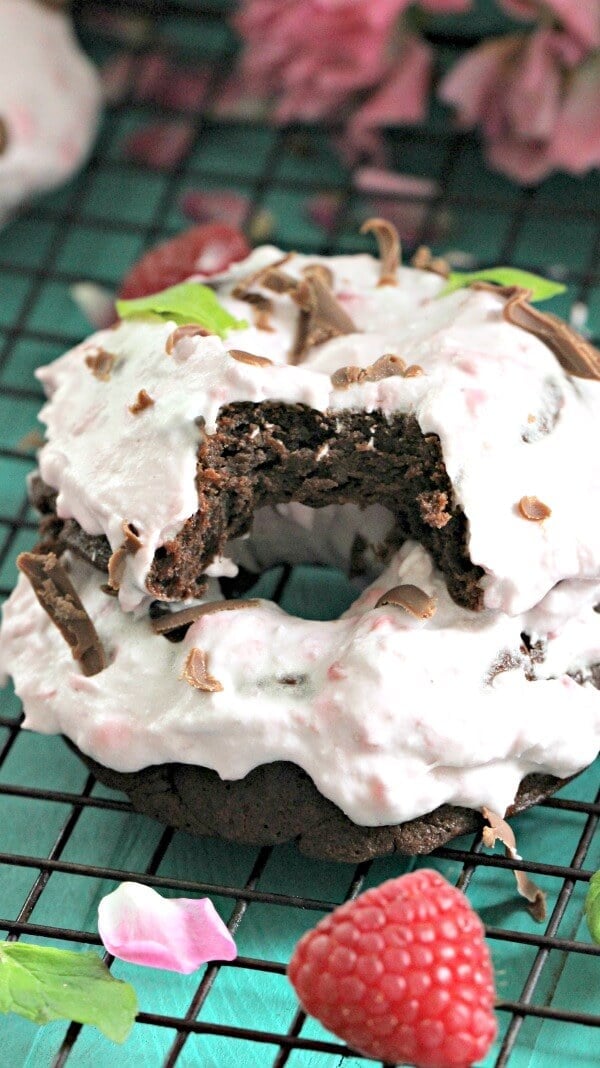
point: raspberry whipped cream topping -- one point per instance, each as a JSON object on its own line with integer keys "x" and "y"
{"x": 49, "y": 100}
{"x": 514, "y": 427}
{"x": 391, "y": 710}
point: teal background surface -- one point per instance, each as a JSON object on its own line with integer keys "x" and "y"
{"x": 65, "y": 841}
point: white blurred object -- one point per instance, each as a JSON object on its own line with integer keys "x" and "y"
{"x": 49, "y": 101}
{"x": 95, "y": 302}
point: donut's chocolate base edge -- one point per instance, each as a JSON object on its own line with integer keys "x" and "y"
{"x": 278, "y": 802}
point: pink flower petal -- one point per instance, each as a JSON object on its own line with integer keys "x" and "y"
{"x": 380, "y": 180}
{"x": 160, "y": 145}
{"x": 581, "y": 18}
{"x": 179, "y": 934}
{"x": 576, "y": 142}
{"x": 471, "y": 82}
{"x": 205, "y": 207}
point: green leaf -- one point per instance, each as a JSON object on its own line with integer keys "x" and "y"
{"x": 592, "y": 907}
{"x": 541, "y": 288}
{"x": 189, "y": 302}
{"x": 43, "y": 984}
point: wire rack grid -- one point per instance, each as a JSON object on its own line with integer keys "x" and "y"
{"x": 65, "y": 841}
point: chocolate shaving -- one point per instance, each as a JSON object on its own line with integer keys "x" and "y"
{"x": 241, "y": 290}
{"x": 390, "y": 249}
{"x": 142, "y": 401}
{"x": 248, "y": 357}
{"x": 412, "y": 599}
{"x": 60, "y": 600}
{"x": 575, "y": 355}
{"x": 262, "y": 310}
{"x": 197, "y": 674}
{"x": 174, "y": 620}
{"x": 321, "y": 316}
{"x": 424, "y": 260}
{"x": 4, "y": 138}
{"x": 116, "y": 567}
{"x": 132, "y": 539}
{"x": 278, "y": 281}
{"x": 189, "y": 330}
{"x": 387, "y": 366}
{"x": 319, "y": 270}
{"x": 101, "y": 364}
{"x": 116, "y": 564}
{"x": 533, "y": 509}
{"x": 500, "y": 830}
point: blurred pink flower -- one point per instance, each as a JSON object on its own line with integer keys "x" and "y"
{"x": 179, "y": 934}
{"x": 579, "y": 18}
{"x": 529, "y": 97}
{"x": 400, "y": 99}
{"x": 314, "y": 56}
{"x": 162, "y": 145}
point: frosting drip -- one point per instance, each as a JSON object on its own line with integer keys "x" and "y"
{"x": 391, "y": 713}
{"x": 512, "y": 424}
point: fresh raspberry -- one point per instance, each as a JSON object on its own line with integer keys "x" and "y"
{"x": 205, "y": 249}
{"x": 402, "y": 974}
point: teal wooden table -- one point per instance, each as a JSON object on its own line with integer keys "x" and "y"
{"x": 64, "y": 841}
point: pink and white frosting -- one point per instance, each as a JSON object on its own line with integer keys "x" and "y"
{"x": 49, "y": 100}
{"x": 487, "y": 390}
{"x": 389, "y": 715}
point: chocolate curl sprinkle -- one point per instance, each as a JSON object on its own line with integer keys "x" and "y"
{"x": 424, "y": 260}
{"x": 242, "y": 289}
{"x": 533, "y": 509}
{"x": 116, "y": 564}
{"x": 188, "y": 330}
{"x": 390, "y": 249}
{"x": 196, "y": 673}
{"x": 499, "y": 829}
{"x": 60, "y": 600}
{"x": 174, "y": 620}
{"x": 575, "y": 355}
{"x": 321, "y": 316}
{"x": 412, "y": 599}
{"x": 262, "y": 310}
{"x": 3, "y": 136}
{"x": 241, "y": 356}
{"x": 141, "y": 402}
{"x": 101, "y": 364}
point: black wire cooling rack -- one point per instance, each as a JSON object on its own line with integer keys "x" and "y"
{"x": 554, "y": 228}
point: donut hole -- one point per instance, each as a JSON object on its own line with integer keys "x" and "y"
{"x": 265, "y": 458}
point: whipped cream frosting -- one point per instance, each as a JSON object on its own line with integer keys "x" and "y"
{"x": 390, "y": 715}
{"x": 511, "y": 422}
{"x": 49, "y": 100}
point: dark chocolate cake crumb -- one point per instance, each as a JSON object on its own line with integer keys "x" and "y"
{"x": 434, "y": 508}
